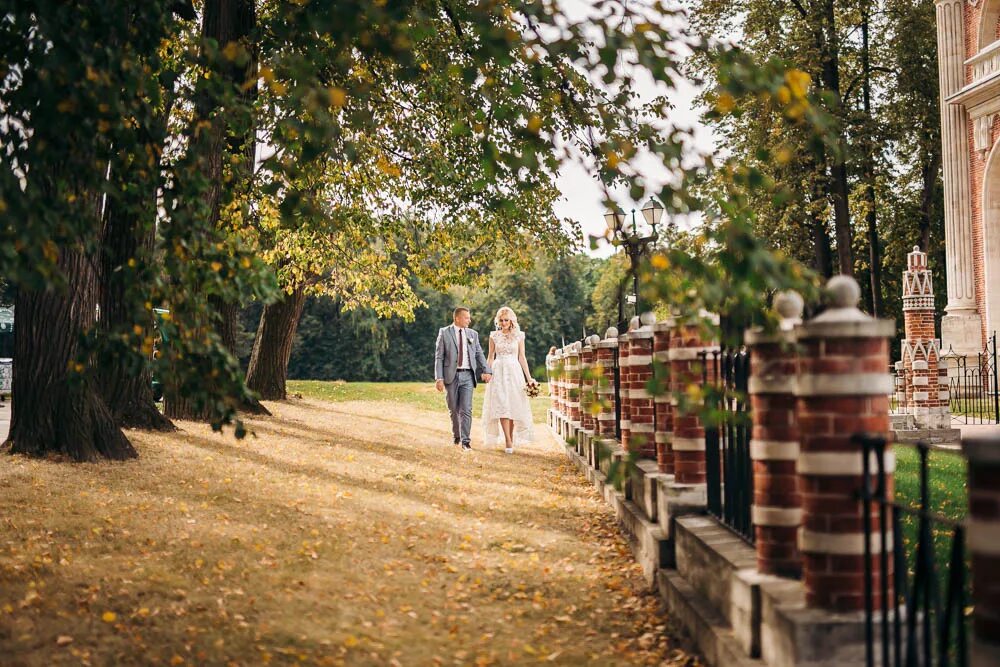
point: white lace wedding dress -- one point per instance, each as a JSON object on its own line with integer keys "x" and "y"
{"x": 505, "y": 397}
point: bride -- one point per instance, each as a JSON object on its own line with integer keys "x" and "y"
{"x": 506, "y": 410}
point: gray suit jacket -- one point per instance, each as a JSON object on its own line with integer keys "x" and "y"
{"x": 446, "y": 355}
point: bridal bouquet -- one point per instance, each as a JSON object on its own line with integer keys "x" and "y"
{"x": 531, "y": 389}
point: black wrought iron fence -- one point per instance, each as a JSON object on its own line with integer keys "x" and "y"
{"x": 728, "y": 468}
{"x": 918, "y": 624}
{"x": 972, "y": 385}
{"x": 617, "y": 374}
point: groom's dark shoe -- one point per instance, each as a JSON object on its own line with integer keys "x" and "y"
{"x": 466, "y": 447}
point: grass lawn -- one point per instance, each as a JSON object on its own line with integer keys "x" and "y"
{"x": 339, "y": 533}
{"x": 949, "y": 498}
{"x": 418, "y": 394}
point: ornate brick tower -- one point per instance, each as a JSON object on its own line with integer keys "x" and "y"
{"x": 925, "y": 386}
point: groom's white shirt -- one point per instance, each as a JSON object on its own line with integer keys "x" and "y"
{"x": 465, "y": 358}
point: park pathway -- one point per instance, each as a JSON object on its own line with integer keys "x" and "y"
{"x": 340, "y": 533}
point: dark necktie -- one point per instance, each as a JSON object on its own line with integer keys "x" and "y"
{"x": 461, "y": 348}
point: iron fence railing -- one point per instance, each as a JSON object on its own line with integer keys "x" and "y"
{"x": 728, "y": 468}
{"x": 972, "y": 385}
{"x": 617, "y": 373}
{"x": 918, "y": 626}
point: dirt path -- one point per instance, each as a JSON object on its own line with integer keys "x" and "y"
{"x": 347, "y": 533}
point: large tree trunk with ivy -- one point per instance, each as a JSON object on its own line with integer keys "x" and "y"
{"x": 226, "y": 21}
{"x": 129, "y": 233}
{"x": 128, "y": 392}
{"x": 272, "y": 348}
{"x": 57, "y": 410}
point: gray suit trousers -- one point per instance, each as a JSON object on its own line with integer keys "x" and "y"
{"x": 458, "y": 394}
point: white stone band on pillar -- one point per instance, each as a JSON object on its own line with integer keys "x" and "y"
{"x": 687, "y": 444}
{"x": 841, "y": 463}
{"x": 774, "y": 450}
{"x": 844, "y": 544}
{"x": 983, "y": 537}
{"x": 775, "y": 516}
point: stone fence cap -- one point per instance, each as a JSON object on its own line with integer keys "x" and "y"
{"x": 758, "y": 336}
{"x": 789, "y": 305}
{"x": 843, "y": 319}
{"x": 612, "y": 332}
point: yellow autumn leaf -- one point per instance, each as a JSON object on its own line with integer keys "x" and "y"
{"x": 725, "y": 104}
{"x": 338, "y": 96}
{"x": 109, "y": 617}
{"x": 232, "y": 51}
{"x": 798, "y": 82}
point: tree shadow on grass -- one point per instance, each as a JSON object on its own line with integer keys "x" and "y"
{"x": 521, "y": 469}
{"x": 443, "y": 496}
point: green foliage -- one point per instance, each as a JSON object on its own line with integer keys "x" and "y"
{"x": 417, "y": 135}
{"x": 901, "y": 131}
{"x": 551, "y": 299}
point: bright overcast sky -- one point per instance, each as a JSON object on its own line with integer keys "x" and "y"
{"x": 582, "y": 194}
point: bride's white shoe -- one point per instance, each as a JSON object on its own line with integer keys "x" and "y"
{"x": 509, "y": 450}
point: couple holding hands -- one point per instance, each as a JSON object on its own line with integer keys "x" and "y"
{"x": 459, "y": 363}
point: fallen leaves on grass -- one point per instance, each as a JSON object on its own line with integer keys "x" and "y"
{"x": 343, "y": 534}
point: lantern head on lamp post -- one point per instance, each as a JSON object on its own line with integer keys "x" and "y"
{"x": 637, "y": 242}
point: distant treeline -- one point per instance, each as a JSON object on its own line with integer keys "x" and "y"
{"x": 553, "y": 300}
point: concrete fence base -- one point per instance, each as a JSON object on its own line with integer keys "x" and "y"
{"x": 706, "y": 574}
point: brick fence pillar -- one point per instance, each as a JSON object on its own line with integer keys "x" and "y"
{"x": 587, "y": 384}
{"x": 624, "y": 388}
{"x": 774, "y": 443}
{"x": 690, "y": 356}
{"x": 605, "y": 353}
{"x": 550, "y": 378}
{"x": 573, "y": 378}
{"x": 663, "y": 404}
{"x": 983, "y": 454}
{"x": 557, "y": 380}
{"x": 842, "y": 389}
{"x": 926, "y": 399}
{"x": 641, "y": 409}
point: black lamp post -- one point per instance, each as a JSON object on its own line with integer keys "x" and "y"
{"x": 635, "y": 242}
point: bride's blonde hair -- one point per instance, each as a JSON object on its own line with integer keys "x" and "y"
{"x": 513, "y": 318}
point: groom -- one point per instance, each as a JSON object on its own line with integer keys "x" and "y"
{"x": 458, "y": 360}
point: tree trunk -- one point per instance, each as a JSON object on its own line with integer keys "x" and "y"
{"x": 874, "y": 248}
{"x": 128, "y": 394}
{"x": 929, "y": 172}
{"x": 822, "y": 251}
{"x": 56, "y": 408}
{"x": 829, "y": 43}
{"x": 226, "y": 21}
{"x": 129, "y": 232}
{"x": 272, "y": 347}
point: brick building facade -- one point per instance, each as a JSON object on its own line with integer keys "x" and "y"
{"x": 968, "y": 33}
